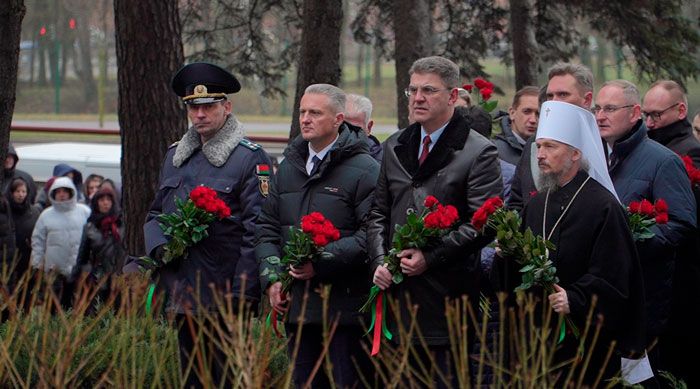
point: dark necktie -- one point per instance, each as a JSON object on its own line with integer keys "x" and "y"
{"x": 317, "y": 162}
{"x": 424, "y": 153}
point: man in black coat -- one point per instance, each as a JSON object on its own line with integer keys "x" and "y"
{"x": 665, "y": 110}
{"x": 326, "y": 169}
{"x": 440, "y": 156}
{"x": 215, "y": 154}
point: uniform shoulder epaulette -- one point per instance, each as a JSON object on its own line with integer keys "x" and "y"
{"x": 250, "y": 144}
{"x": 174, "y": 144}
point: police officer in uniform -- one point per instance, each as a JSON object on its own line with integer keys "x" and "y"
{"x": 213, "y": 153}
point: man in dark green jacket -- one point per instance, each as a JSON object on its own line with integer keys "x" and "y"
{"x": 326, "y": 169}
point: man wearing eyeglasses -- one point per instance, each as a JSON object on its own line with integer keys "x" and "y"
{"x": 438, "y": 155}
{"x": 665, "y": 111}
{"x": 643, "y": 169}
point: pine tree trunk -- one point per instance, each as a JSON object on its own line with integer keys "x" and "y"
{"x": 377, "y": 68}
{"x": 413, "y": 41}
{"x": 84, "y": 60}
{"x": 11, "y": 15}
{"x": 151, "y": 116}
{"x": 524, "y": 45}
{"x": 319, "y": 56}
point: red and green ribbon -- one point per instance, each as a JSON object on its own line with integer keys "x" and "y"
{"x": 273, "y": 322}
{"x": 378, "y": 316}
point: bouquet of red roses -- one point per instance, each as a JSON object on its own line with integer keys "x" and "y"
{"x": 418, "y": 232}
{"x": 305, "y": 244}
{"x": 643, "y": 215}
{"x": 485, "y": 91}
{"x": 188, "y": 225}
{"x": 529, "y": 250}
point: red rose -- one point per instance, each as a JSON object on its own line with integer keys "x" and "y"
{"x": 486, "y": 93}
{"x": 497, "y": 202}
{"x": 211, "y": 207}
{"x": 320, "y": 240}
{"x": 489, "y": 85}
{"x": 662, "y": 218}
{"x": 306, "y": 225}
{"x": 467, "y": 87}
{"x": 224, "y": 213}
{"x": 491, "y": 204}
{"x": 660, "y": 206}
{"x": 534, "y": 192}
{"x": 432, "y": 220}
{"x": 480, "y": 83}
{"x": 633, "y": 207}
{"x": 430, "y": 201}
{"x": 645, "y": 208}
{"x": 479, "y": 219}
{"x": 201, "y": 203}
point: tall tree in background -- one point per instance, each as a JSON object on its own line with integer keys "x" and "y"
{"x": 522, "y": 34}
{"x": 11, "y": 14}
{"x": 464, "y": 31}
{"x": 319, "y": 55}
{"x": 151, "y": 116}
{"x": 414, "y": 40}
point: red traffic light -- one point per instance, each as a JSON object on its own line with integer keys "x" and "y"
{"x": 71, "y": 23}
{"x": 42, "y": 31}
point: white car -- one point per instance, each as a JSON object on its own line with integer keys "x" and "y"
{"x": 89, "y": 158}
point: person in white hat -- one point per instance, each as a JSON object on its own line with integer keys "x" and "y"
{"x": 577, "y": 210}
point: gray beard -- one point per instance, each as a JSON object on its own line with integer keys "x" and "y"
{"x": 550, "y": 181}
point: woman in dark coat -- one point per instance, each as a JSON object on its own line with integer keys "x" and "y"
{"x": 102, "y": 249}
{"x": 24, "y": 215}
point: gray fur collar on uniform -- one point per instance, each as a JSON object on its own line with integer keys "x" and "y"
{"x": 217, "y": 149}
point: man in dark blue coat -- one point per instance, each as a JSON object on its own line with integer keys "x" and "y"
{"x": 213, "y": 153}
{"x": 643, "y": 169}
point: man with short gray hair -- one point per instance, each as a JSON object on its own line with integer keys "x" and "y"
{"x": 358, "y": 112}
{"x": 440, "y": 156}
{"x": 326, "y": 169}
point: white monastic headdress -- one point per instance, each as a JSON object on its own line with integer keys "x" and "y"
{"x": 577, "y": 127}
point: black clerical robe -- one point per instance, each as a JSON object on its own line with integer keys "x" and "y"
{"x": 595, "y": 255}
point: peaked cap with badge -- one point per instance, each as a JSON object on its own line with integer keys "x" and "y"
{"x": 203, "y": 83}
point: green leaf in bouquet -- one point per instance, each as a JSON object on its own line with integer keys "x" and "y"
{"x": 200, "y": 228}
{"x": 397, "y": 278}
{"x": 536, "y": 252}
{"x": 523, "y": 286}
{"x": 196, "y": 237}
{"x": 528, "y": 278}
{"x": 405, "y": 230}
{"x": 527, "y": 268}
{"x": 421, "y": 242}
{"x": 273, "y": 277}
{"x": 490, "y": 105}
{"x": 500, "y": 234}
{"x": 412, "y": 219}
{"x": 646, "y": 234}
